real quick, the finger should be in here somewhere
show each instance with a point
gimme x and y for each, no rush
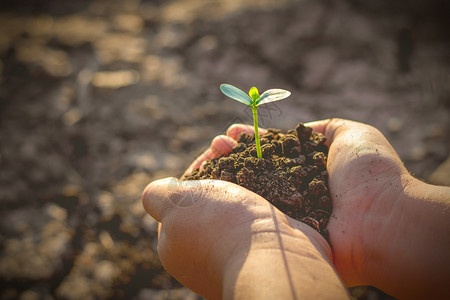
(331, 128)
(154, 192)
(162, 196)
(318, 126)
(235, 130)
(198, 162)
(222, 145)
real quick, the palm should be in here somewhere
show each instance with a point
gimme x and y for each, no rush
(361, 166)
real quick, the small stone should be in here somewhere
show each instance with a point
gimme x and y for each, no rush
(57, 212)
(394, 124)
(115, 79)
(418, 152)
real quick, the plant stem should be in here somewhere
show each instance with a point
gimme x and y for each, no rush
(255, 124)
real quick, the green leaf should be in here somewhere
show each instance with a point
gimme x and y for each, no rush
(236, 94)
(272, 95)
(254, 93)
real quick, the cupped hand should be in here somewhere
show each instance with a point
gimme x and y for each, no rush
(387, 228)
(222, 240)
(366, 177)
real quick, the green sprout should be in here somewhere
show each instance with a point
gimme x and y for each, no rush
(254, 99)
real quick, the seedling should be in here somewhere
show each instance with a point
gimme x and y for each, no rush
(254, 99)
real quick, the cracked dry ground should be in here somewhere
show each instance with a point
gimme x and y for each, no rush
(97, 98)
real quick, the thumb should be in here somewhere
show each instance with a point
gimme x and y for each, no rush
(332, 128)
(162, 196)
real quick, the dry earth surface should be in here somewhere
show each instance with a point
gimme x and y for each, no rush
(98, 98)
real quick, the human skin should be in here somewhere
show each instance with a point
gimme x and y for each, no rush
(387, 229)
(224, 241)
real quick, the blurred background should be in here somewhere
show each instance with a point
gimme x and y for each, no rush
(98, 98)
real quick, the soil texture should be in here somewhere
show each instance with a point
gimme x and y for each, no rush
(291, 174)
(98, 98)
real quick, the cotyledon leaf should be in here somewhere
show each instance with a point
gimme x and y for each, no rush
(272, 95)
(235, 93)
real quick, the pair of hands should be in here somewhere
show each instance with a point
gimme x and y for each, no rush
(217, 238)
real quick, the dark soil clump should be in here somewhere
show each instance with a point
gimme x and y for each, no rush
(291, 174)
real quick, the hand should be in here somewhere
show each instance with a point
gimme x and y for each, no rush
(366, 178)
(387, 229)
(376, 208)
(222, 240)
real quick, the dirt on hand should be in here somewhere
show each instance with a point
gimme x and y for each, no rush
(291, 174)
(99, 98)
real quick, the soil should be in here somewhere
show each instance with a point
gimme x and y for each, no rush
(98, 98)
(291, 174)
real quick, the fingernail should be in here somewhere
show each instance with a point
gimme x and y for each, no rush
(222, 145)
(233, 131)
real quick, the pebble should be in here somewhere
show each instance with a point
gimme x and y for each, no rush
(394, 124)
